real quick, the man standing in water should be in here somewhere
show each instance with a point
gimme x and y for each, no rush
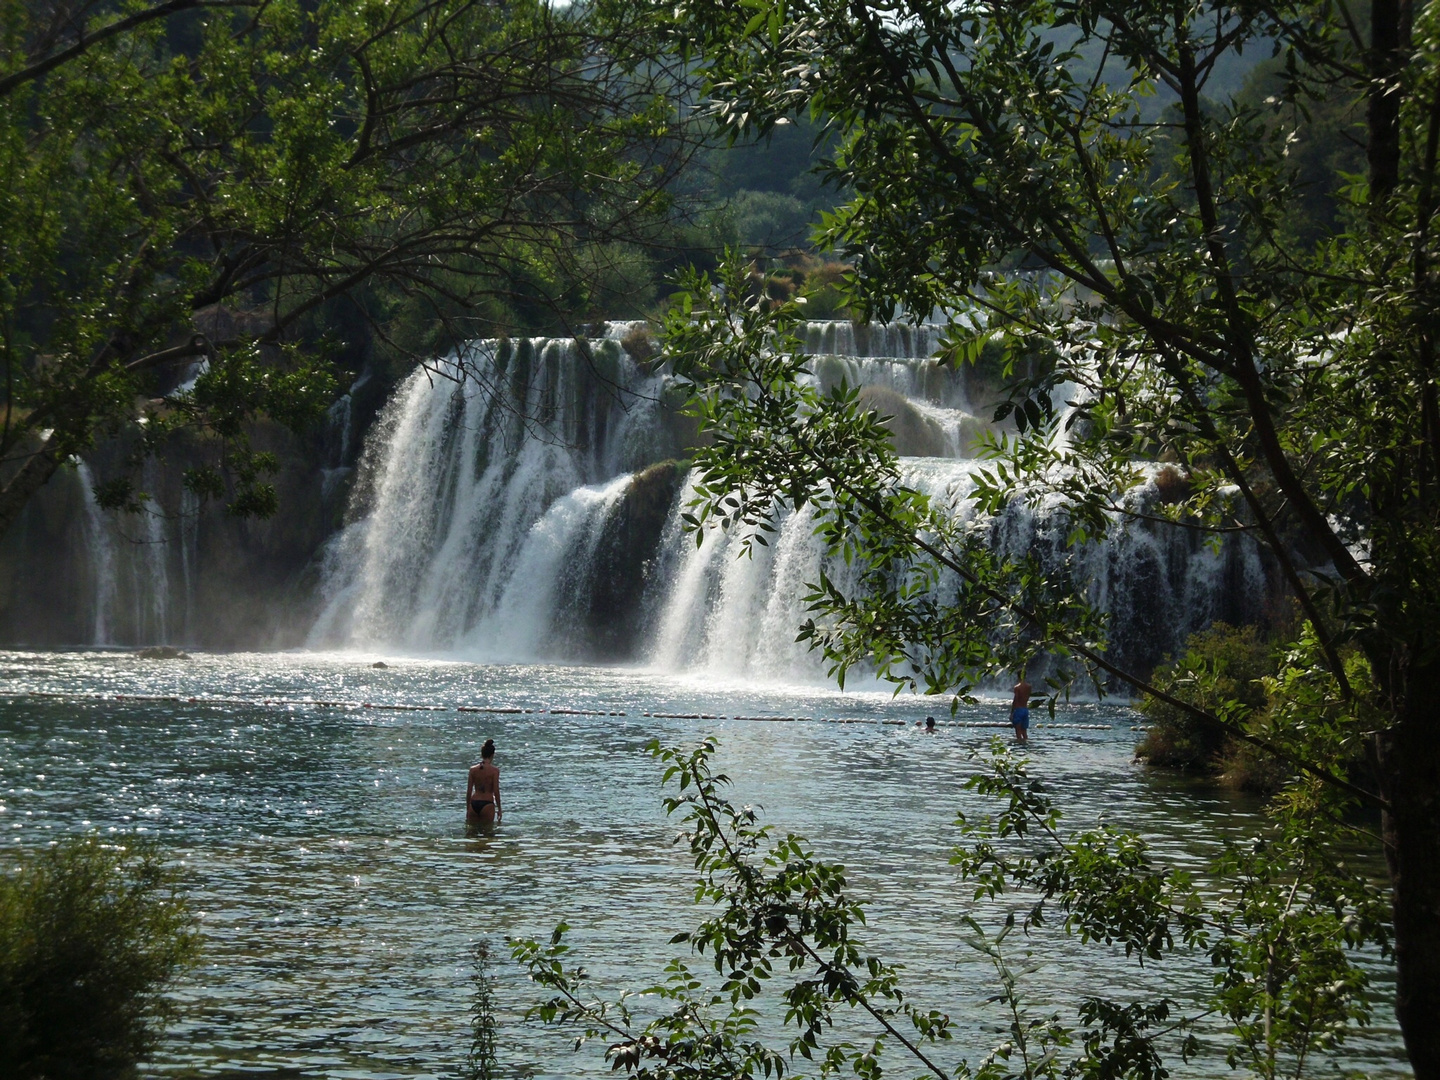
(482, 794)
(1020, 711)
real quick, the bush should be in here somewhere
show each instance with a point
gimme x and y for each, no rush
(1172, 485)
(91, 937)
(1245, 767)
(825, 293)
(1279, 691)
(828, 301)
(1222, 664)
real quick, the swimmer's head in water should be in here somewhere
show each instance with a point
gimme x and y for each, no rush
(929, 721)
(488, 750)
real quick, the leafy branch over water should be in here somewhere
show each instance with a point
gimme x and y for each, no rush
(1280, 944)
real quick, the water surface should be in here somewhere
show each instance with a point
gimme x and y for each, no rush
(324, 844)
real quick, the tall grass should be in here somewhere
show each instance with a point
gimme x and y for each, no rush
(483, 1060)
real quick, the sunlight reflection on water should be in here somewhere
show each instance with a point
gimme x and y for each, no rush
(325, 847)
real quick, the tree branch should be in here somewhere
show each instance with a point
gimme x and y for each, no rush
(1239, 343)
(84, 41)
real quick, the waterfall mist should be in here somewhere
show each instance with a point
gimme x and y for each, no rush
(521, 502)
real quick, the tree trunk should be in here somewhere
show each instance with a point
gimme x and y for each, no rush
(1409, 758)
(30, 478)
(1388, 25)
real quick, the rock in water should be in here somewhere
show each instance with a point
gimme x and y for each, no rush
(162, 652)
(380, 664)
(610, 600)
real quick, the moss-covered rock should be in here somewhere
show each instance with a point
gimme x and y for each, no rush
(911, 432)
(611, 611)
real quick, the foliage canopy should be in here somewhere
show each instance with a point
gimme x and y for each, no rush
(226, 181)
(1011, 173)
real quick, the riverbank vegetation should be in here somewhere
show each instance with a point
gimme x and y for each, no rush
(1221, 665)
(93, 936)
(1264, 686)
(1257, 681)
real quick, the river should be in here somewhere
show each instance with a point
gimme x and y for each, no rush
(323, 844)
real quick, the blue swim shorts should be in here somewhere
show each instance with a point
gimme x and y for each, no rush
(1021, 718)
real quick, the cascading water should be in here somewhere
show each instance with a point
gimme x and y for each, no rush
(129, 560)
(100, 551)
(151, 571)
(505, 512)
(476, 487)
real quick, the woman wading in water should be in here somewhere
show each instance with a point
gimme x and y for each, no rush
(482, 794)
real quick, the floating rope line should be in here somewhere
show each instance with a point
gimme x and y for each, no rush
(318, 703)
(1038, 724)
(509, 710)
(867, 720)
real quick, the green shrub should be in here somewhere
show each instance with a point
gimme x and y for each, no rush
(828, 301)
(639, 342)
(91, 937)
(1279, 691)
(1220, 665)
(781, 286)
(1245, 767)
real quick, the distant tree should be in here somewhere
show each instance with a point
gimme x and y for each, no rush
(1289, 373)
(206, 180)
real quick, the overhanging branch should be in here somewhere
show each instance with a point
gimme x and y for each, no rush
(84, 40)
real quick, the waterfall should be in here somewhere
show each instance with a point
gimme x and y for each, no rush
(100, 553)
(477, 493)
(503, 511)
(339, 419)
(129, 560)
(189, 527)
(150, 570)
(553, 559)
